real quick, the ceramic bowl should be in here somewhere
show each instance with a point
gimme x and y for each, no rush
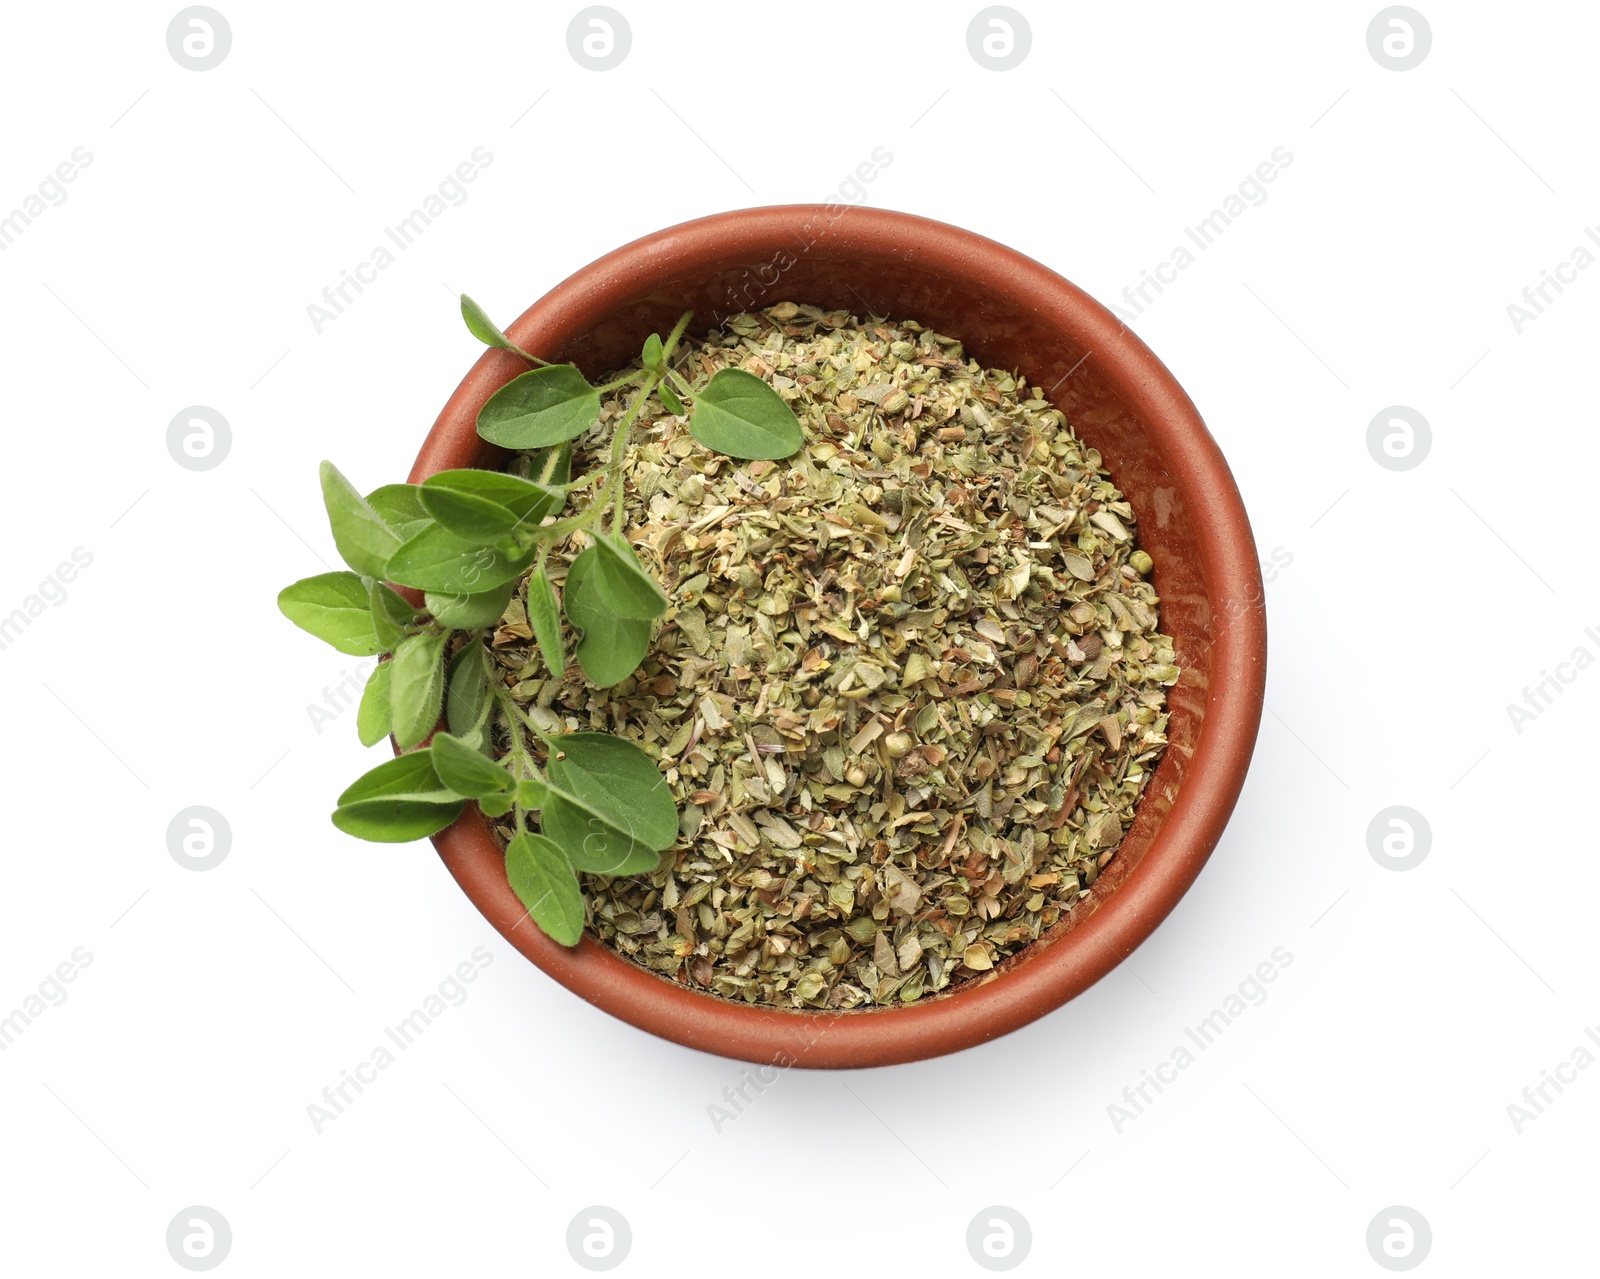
(1014, 313)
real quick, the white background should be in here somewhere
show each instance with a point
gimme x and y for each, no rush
(1417, 605)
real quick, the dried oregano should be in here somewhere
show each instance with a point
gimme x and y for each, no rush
(907, 685)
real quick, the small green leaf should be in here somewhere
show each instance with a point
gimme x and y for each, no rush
(411, 775)
(373, 718)
(400, 507)
(468, 702)
(609, 808)
(334, 607)
(390, 614)
(532, 794)
(395, 821)
(462, 612)
(739, 415)
(526, 497)
(483, 328)
(487, 506)
(544, 616)
(616, 781)
(400, 800)
(495, 805)
(464, 769)
(435, 559)
(544, 882)
(652, 351)
(540, 408)
(612, 647)
(669, 398)
(416, 687)
(473, 519)
(625, 586)
(593, 844)
(361, 535)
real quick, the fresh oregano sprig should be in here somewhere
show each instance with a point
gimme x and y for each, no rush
(464, 539)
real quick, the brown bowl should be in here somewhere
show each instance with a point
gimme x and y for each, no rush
(1010, 312)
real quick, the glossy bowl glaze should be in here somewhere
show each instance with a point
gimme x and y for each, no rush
(1014, 313)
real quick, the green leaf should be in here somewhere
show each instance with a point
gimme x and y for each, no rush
(462, 612)
(488, 506)
(435, 559)
(473, 519)
(609, 808)
(467, 704)
(495, 805)
(739, 415)
(616, 781)
(400, 800)
(544, 882)
(625, 587)
(400, 507)
(612, 647)
(544, 616)
(361, 535)
(411, 775)
(390, 614)
(652, 351)
(416, 687)
(464, 769)
(483, 328)
(395, 821)
(373, 718)
(540, 408)
(532, 794)
(527, 498)
(669, 398)
(592, 844)
(333, 607)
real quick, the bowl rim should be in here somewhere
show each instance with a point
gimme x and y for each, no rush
(1047, 973)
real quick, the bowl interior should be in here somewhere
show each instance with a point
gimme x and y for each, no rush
(1013, 313)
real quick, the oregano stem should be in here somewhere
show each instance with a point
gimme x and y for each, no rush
(619, 447)
(612, 496)
(519, 750)
(517, 714)
(619, 443)
(675, 336)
